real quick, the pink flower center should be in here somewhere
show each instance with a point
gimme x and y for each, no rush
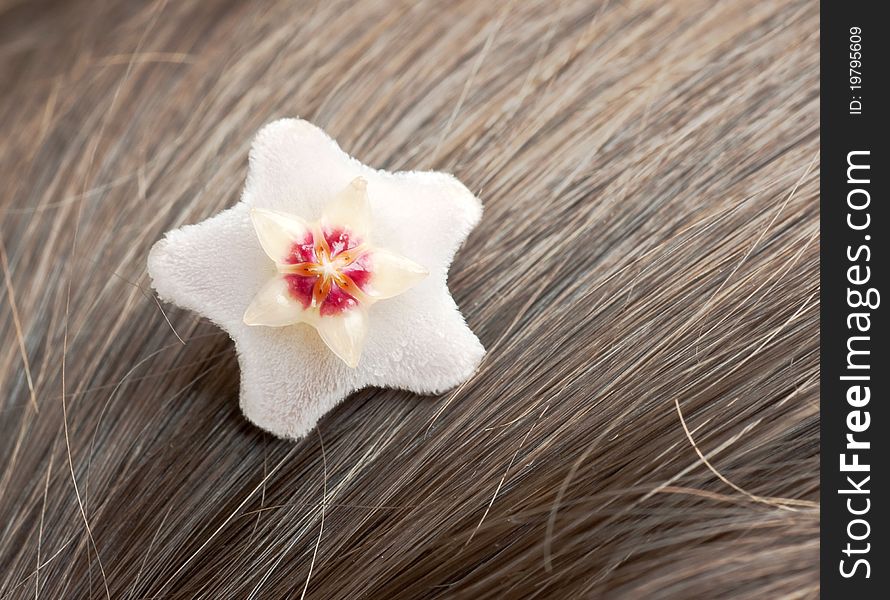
(329, 269)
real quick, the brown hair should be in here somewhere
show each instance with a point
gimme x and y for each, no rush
(645, 278)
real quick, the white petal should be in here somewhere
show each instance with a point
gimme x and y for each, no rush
(295, 167)
(351, 209)
(290, 378)
(424, 215)
(213, 268)
(420, 342)
(274, 306)
(278, 232)
(345, 334)
(392, 274)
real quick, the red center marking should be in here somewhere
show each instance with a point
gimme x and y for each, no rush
(330, 271)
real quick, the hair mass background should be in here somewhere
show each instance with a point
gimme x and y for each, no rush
(645, 278)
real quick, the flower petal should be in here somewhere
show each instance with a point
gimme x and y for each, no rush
(289, 378)
(274, 306)
(420, 342)
(297, 168)
(392, 274)
(344, 334)
(281, 235)
(351, 209)
(213, 268)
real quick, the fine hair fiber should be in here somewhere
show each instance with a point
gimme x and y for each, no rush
(644, 278)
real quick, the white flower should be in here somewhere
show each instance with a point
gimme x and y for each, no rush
(329, 275)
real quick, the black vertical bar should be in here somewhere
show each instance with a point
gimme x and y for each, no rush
(855, 561)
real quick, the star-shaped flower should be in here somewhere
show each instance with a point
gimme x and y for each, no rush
(329, 275)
